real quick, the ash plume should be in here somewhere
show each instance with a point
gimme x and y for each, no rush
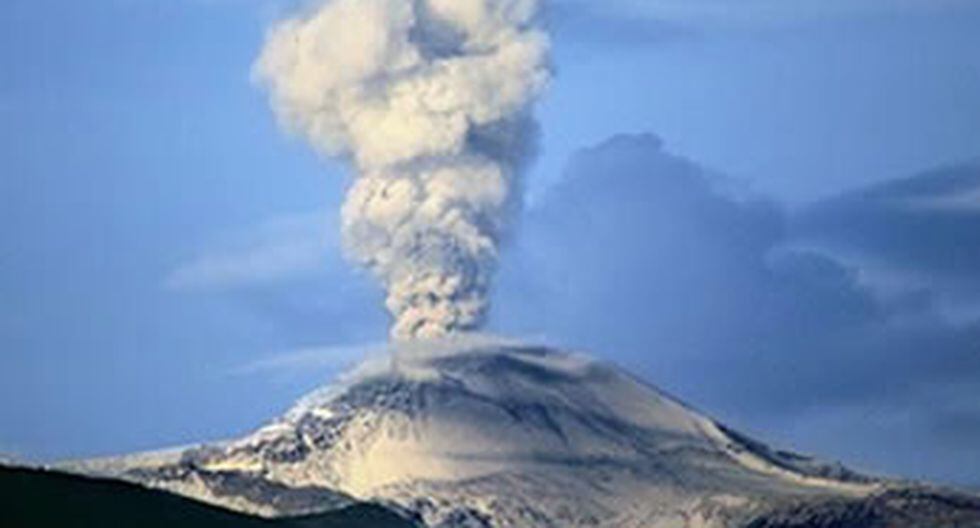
(430, 101)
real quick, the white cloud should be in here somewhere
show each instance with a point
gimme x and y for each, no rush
(289, 246)
(963, 202)
(310, 359)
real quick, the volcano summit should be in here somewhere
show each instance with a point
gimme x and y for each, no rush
(481, 432)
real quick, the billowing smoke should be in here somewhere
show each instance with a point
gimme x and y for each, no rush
(431, 101)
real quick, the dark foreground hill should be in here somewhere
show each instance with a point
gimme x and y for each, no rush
(41, 499)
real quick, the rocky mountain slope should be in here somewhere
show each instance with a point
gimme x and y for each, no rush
(481, 432)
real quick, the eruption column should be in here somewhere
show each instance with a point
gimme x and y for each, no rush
(430, 100)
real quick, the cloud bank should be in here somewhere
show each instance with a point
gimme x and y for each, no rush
(711, 291)
(920, 224)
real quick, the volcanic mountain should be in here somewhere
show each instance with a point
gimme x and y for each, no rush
(484, 432)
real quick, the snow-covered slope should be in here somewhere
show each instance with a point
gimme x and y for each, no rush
(481, 432)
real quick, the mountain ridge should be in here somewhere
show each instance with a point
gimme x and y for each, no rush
(477, 431)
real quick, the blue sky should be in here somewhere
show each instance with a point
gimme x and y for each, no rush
(169, 269)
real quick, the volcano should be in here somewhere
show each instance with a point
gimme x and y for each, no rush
(477, 431)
